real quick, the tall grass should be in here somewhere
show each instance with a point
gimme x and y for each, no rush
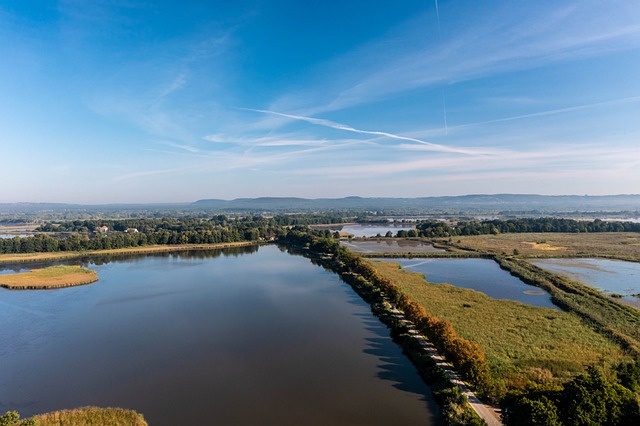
(90, 416)
(522, 343)
(604, 314)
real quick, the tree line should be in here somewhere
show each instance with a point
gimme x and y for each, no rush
(433, 229)
(83, 235)
(588, 399)
(79, 235)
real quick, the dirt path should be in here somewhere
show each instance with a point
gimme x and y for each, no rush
(488, 413)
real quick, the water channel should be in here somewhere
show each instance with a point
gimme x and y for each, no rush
(242, 337)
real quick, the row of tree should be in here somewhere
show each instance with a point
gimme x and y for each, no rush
(150, 231)
(78, 235)
(432, 229)
(187, 224)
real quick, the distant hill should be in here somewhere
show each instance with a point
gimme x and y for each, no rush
(455, 204)
(482, 204)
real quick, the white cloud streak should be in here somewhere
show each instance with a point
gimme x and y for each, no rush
(331, 124)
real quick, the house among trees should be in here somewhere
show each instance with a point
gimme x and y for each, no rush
(103, 229)
(131, 230)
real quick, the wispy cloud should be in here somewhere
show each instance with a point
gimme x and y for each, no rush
(339, 126)
(513, 37)
(178, 82)
(625, 100)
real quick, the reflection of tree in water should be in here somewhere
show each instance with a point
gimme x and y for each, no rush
(178, 255)
(395, 366)
(89, 260)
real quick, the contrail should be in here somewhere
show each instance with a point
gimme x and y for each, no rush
(554, 111)
(444, 108)
(438, 16)
(444, 98)
(338, 126)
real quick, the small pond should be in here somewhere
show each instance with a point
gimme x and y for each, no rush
(370, 230)
(390, 246)
(609, 276)
(482, 275)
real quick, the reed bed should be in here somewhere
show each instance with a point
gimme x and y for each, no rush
(522, 343)
(49, 278)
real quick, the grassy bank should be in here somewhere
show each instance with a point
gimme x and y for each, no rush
(521, 342)
(49, 278)
(40, 257)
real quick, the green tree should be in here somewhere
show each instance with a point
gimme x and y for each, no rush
(9, 418)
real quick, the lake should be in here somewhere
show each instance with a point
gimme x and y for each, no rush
(239, 337)
(482, 275)
(609, 276)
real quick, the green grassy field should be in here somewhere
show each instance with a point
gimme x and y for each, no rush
(521, 342)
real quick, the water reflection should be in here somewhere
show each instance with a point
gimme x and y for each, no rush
(391, 246)
(610, 276)
(250, 337)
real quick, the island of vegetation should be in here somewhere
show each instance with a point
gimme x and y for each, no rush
(49, 278)
(84, 416)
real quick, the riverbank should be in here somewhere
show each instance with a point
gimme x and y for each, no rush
(49, 278)
(44, 257)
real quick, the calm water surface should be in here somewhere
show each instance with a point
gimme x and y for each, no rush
(482, 275)
(390, 246)
(372, 230)
(609, 276)
(260, 337)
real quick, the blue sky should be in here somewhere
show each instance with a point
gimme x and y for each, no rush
(165, 101)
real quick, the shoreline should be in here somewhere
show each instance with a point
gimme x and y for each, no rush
(49, 256)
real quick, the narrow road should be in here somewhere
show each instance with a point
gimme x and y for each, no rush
(488, 413)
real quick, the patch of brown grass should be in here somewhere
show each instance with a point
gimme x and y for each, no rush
(618, 245)
(91, 416)
(48, 278)
(544, 246)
